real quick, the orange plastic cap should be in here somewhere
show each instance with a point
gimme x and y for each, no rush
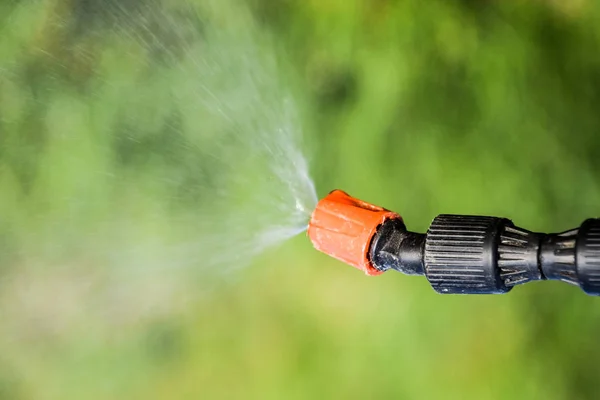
(343, 227)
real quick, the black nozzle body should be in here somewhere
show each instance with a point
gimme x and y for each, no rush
(486, 255)
(393, 247)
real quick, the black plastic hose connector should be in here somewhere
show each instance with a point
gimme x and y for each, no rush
(463, 254)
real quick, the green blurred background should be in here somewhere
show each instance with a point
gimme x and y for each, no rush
(477, 107)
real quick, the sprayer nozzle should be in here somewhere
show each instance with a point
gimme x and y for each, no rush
(462, 254)
(343, 227)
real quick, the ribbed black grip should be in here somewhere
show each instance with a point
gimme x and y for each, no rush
(461, 254)
(588, 256)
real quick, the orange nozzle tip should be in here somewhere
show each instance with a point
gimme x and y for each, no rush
(343, 227)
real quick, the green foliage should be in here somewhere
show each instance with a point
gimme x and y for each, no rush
(481, 107)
